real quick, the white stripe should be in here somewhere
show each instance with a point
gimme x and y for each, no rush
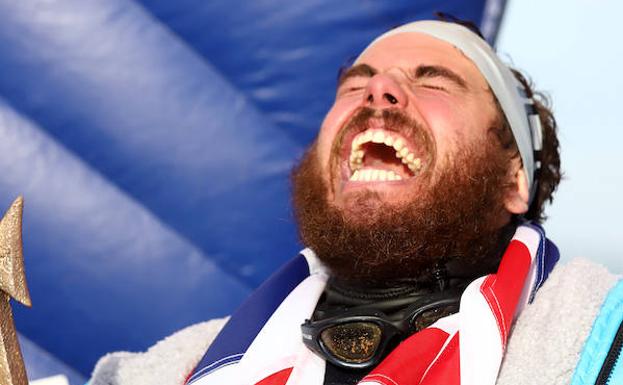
(309, 369)
(215, 363)
(374, 380)
(370, 382)
(479, 342)
(541, 260)
(279, 343)
(532, 239)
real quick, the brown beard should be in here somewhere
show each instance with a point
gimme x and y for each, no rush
(456, 219)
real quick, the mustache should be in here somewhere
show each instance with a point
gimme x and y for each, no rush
(392, 119)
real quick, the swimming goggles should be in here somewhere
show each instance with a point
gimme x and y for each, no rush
(361, 337)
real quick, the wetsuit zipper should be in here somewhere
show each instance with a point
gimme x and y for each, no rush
(614, 355)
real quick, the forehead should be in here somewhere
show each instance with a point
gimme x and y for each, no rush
(409, 49)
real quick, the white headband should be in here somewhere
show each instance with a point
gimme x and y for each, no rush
(518, 109)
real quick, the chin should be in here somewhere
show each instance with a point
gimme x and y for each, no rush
(362, 213)
(362, 197)
(366, 206)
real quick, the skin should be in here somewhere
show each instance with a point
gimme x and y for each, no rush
(456, 108)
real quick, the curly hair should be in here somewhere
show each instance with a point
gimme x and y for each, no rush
(549, 175)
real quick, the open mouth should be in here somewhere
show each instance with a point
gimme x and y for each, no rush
(381, 155)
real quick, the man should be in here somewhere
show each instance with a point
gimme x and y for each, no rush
(416, 199)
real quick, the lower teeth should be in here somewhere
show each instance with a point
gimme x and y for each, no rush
(373, 175)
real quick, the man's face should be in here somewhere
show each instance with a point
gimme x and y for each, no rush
(428, 81)
(406, 172)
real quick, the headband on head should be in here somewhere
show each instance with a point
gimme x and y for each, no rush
(510, 93)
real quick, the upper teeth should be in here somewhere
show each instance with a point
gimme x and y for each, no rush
(380, 136)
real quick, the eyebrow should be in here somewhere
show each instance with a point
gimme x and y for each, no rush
(437, 71)
(359, 70)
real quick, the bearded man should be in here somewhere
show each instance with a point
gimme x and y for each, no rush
(421, 202)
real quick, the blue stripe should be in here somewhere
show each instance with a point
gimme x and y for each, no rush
(248, 320)
(546, 258)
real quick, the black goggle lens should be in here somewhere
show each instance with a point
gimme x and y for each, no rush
(428, 317)
(353, 342)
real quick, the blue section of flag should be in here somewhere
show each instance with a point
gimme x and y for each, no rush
(552, 255)
(547, 256)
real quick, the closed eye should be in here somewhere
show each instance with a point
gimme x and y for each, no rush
(425, 73)
(345, 89)
(433, 87)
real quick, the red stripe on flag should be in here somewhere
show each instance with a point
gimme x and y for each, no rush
(279, 378)
(503, 289)
(446, 369)
(407, 363)
(188, 377)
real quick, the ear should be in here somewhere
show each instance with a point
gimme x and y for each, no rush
(518, 194)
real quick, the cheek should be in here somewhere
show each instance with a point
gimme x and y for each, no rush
(448, 121)
(333, 122)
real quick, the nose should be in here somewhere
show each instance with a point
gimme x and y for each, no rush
(384, 92)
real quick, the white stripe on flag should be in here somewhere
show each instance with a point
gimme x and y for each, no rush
(532, 239)
(280, 343)
(479, 339)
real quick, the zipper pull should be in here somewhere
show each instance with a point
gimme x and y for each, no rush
(441, 276)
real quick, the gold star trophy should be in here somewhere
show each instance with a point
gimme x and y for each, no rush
(12, 285)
